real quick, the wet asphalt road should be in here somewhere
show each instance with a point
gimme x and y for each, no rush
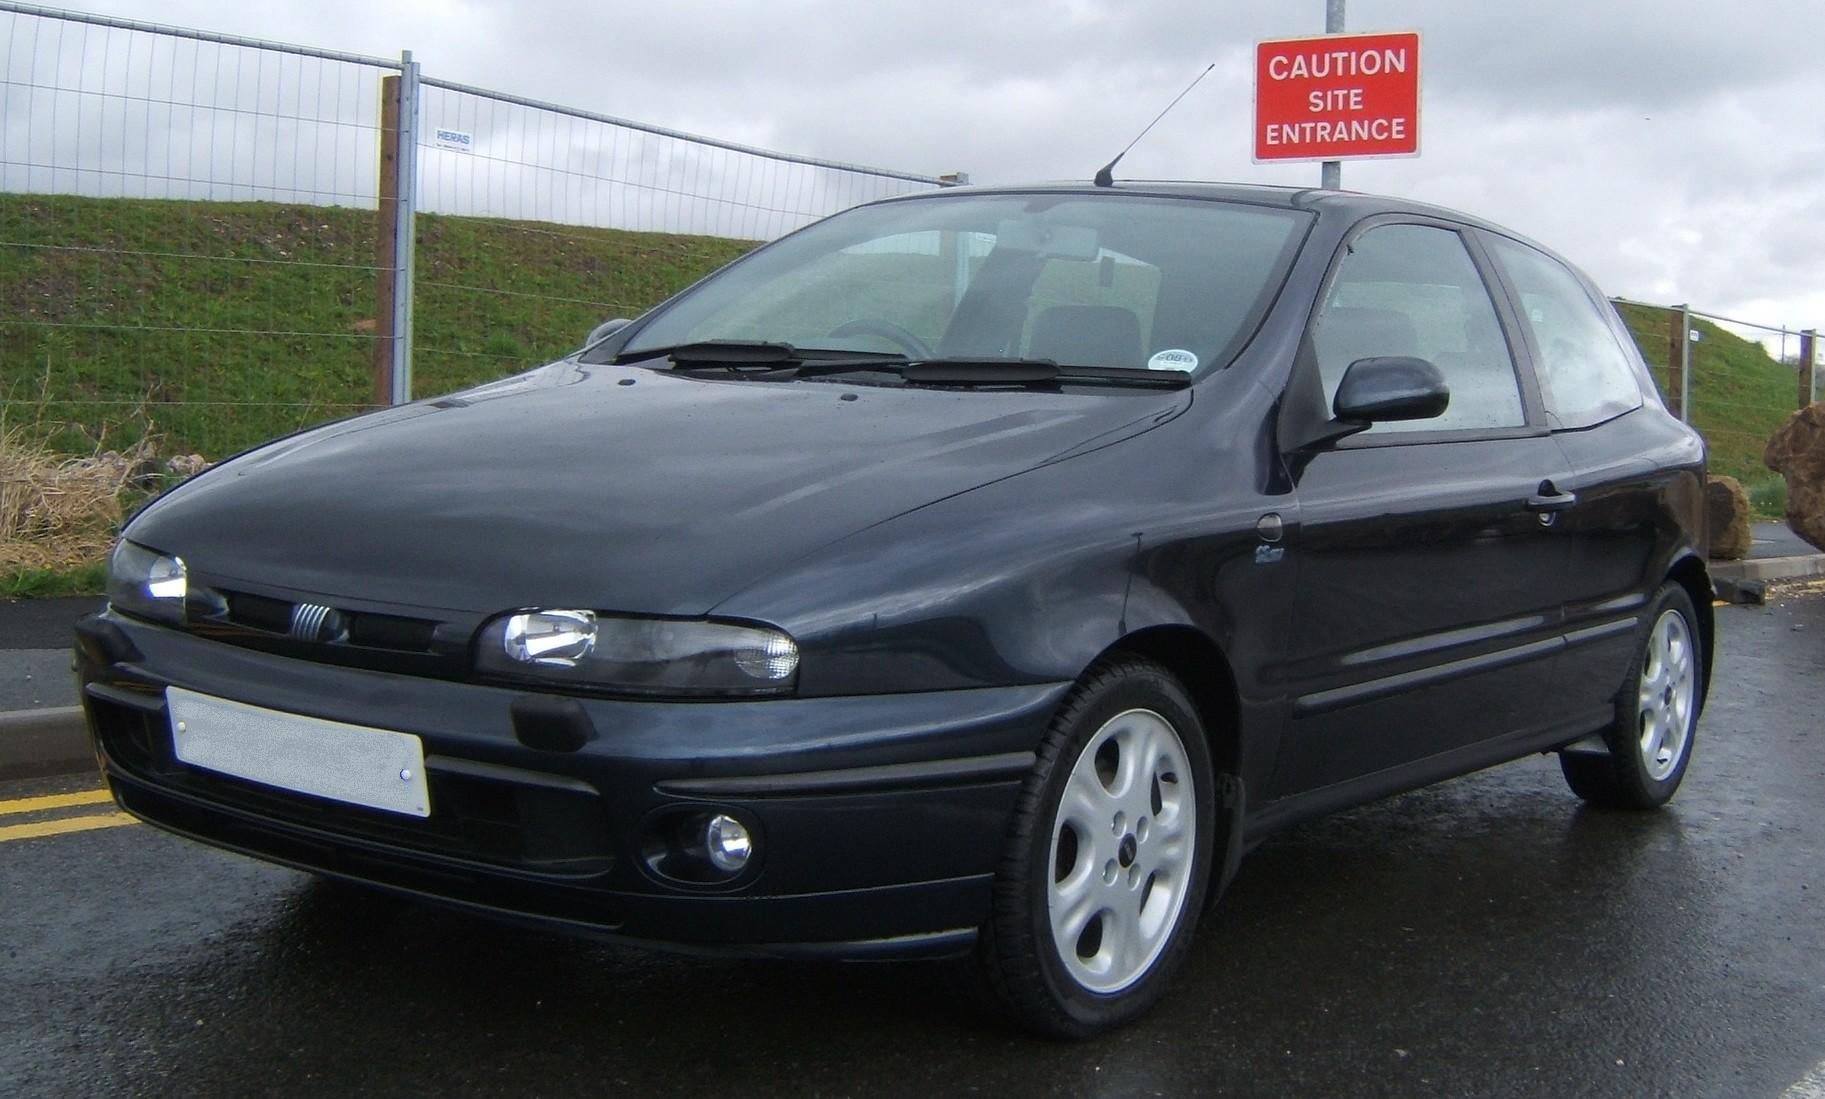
(1484, 937)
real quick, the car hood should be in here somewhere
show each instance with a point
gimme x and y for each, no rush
(615, 488)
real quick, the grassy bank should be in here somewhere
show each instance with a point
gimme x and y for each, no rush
(218, 325)
(174, 328)
(1739, 397)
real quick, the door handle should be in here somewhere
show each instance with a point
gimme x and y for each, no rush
(1550, 499)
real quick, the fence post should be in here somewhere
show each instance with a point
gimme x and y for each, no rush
(1808, 383)
(386, 284)
(404, 227)
(1679, 358)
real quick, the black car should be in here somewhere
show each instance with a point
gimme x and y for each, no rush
(976, 574)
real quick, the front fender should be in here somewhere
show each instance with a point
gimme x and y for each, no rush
(1021, 581)
(1030, 578)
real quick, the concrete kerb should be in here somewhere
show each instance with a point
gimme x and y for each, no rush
(1747, 581)
(1770, 568)
(36, 743)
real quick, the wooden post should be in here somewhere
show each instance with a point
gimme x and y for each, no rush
(1808, 339)
(386, 258)
(1676, 350)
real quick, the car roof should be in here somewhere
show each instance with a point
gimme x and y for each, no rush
(1349, 205)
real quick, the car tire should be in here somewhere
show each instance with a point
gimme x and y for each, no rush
(1657, 711)
(1107, 859)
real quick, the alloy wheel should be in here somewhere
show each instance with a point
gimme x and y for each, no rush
(1123, 845)
(1669, 689)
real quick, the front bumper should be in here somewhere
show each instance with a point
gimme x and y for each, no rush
(879, 819)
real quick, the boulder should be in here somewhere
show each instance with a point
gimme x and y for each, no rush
(1797, 452)
(1727, 518)
(186, 465)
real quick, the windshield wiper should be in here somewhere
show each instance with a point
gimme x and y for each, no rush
(768, 360)
(766, 354)
(764, 358)
(994, 371)
(972, 371)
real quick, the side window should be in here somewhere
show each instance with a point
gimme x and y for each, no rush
(1413, 290)
(1586, 374)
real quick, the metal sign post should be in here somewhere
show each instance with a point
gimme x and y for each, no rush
(1330, 173)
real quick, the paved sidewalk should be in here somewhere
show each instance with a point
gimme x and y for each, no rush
(1775, 540)
(35, 638)
(41, 729)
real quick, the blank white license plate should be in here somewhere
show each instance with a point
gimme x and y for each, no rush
(378, 768)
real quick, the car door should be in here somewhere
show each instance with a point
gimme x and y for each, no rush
(1427, 606)
(1630, 464)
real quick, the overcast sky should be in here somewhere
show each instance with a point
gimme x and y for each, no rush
(1675, 149)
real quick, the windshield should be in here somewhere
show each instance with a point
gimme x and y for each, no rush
(1113, 281)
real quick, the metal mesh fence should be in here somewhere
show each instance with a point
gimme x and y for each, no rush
(198, 235)
(514, 196)
(178, 254)
(1738, 382)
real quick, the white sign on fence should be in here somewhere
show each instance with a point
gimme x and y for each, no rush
(460, 140)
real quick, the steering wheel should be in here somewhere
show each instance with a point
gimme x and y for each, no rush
(914, 347)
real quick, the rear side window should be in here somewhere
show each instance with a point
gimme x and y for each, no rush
(1412, 290)
(1584, 372)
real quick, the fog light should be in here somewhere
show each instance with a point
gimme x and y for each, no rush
(727, 842)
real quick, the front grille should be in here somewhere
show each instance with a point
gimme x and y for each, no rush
(385, 631)
(554, 833)
(257, 612)
(306, 622)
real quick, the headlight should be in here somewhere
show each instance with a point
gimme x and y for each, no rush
(657, 656)
(147, 584)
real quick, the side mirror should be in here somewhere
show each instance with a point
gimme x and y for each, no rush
(606, 329)
(1398, 388)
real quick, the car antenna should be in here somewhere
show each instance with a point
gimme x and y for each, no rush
(1106, 177)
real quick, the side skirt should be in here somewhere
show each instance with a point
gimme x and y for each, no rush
(1308, 804)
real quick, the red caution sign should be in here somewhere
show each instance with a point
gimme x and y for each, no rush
(1337, 97)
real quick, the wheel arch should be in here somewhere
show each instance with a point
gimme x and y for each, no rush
(1199, 664)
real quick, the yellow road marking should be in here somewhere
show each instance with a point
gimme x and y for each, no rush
(54, 801)
(67, 824)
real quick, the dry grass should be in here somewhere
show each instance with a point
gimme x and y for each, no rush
(60, 512)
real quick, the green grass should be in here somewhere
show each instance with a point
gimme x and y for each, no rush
(1768, 497)
(219, 325)
(1739, 397)
(216, 326)
(86, 579)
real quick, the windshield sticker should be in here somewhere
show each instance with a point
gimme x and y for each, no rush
(1174, 359)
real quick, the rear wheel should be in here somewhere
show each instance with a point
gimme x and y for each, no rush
(1657, 716)
(1107, 863)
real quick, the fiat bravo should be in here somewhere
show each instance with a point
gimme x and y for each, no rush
(975, 574)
